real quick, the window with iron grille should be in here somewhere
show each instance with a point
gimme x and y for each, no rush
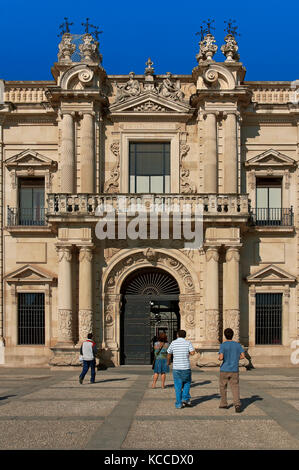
(268, 319)
(31, 318)
(31, 209)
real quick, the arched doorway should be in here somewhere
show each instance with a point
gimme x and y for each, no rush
(150, 305)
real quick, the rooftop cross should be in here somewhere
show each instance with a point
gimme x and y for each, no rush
(96, 32)
(209, 23)
(202, 33)
(87, 26)
(65, 27)
(231, 28)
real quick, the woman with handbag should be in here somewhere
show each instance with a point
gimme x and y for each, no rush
(160, 360)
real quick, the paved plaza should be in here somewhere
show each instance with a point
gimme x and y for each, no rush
(43, 409)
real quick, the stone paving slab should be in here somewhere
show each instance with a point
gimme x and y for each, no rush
(58, 408)
(43, 435)
(208, 434)
(75, 393)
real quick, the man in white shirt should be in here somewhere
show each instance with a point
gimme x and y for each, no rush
(181, 349)
(88, 350)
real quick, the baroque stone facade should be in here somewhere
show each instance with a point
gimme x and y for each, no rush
(65, 146)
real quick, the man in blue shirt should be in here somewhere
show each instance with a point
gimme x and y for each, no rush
(230, 353)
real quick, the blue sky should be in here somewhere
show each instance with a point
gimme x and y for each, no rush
(135, 30)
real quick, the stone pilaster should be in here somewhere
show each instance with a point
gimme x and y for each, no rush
(65, 313)
(230, 154)
(85, 292)
(67, 154)
(210, 158)
(88, 153)
(212, 297)
(231, 289)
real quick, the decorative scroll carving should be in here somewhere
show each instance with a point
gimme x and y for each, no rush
(161, 258)
(232, 320)
(233, 254)
(212, 325)
(212, 253)
(187, 186)
(85, 254)
(112, 185)
(65, 324)
(85, 323)
(64, 252)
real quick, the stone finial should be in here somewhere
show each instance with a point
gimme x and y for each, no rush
(230, 49)
(89, 49)
(207, 49)
(66, 48)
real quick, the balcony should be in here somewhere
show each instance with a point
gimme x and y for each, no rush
(17, 216)
(272, 217)
(223, 207)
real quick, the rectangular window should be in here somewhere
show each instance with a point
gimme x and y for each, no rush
(31, 318)
(268, 201)
(31, 201)
(149, 167)
(268, 319)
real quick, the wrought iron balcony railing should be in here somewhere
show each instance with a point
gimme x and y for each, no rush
(17, 216)
(86, 204)
(272, 217)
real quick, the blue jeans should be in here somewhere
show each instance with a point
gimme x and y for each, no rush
(86, 365)
(182, 383)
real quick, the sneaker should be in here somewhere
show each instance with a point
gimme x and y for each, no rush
(238, 409)
(187, 403)
(80, 380)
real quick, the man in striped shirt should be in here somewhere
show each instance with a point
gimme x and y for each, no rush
(181, 349)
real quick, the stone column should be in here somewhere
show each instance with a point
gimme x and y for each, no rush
(85, 292)
(65, 301)
(87, 154)
(231, 289)
(210, 159)
(212, 296)
(230, 154)
(67, 182)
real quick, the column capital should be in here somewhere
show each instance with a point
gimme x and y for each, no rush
(233, 252)
(64, 251)
(85, 252)
(212, 252)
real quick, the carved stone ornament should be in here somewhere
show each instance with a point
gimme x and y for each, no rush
(170, 89)
(150, 255)
(85, 323)
(212, 254)
(210, 76)
(212, 325)
(187, 186)
(186, 283)
(85, 76)
(66, 49)
(65, 324)
(232, 320)
(208, 48)
(230, 49)
(233, 254)
(131, 89)
(112, 184)
(64, 252)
